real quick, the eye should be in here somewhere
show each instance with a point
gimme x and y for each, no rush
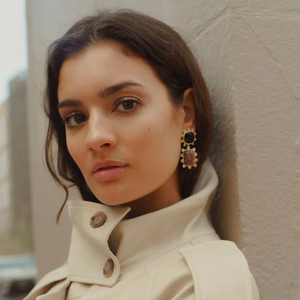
(127, 104)
(74, 119)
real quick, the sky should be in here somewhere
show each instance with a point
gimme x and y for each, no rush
(13, 41)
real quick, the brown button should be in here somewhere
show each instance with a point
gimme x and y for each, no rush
(98, 219)
(108, 268)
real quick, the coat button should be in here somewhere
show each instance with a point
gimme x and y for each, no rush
(98, 219)
(108, 268)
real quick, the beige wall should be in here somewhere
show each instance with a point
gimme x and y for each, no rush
(265, 51)
(249, 55)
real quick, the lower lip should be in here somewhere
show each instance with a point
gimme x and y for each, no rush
(109, 174)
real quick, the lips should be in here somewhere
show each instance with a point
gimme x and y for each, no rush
(108, 170)
(104, 168)
(107, 164)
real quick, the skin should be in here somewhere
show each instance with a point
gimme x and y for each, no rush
(143, 132)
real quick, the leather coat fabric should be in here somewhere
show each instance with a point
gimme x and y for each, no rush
(173, 253)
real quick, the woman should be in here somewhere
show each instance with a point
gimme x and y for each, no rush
(131, 115)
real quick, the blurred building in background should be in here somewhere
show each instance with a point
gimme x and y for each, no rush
(15, 212)
(5, 217)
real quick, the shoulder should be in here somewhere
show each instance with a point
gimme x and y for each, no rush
(219, 268)
(56, 279)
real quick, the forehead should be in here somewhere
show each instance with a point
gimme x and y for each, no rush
(102, 65)
(105, 58)
(105, 55)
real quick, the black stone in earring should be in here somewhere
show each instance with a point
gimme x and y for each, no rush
(189, 156)
(188, 137)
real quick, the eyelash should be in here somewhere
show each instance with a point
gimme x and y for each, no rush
(137, 102)
(128, 99)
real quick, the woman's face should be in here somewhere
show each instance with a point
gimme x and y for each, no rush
(122, 130)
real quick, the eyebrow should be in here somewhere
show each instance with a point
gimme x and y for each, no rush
(69, 103)
(108, 91)
(116, 88)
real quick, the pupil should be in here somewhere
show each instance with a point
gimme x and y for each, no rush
(78, 119)
(128, 105)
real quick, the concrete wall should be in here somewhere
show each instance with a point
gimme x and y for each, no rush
(249, 54)
(265, 52)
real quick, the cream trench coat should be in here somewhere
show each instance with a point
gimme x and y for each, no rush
(173, 253)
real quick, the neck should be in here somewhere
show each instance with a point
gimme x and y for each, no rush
(166, 195)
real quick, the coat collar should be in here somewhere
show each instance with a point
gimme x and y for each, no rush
(132, 243)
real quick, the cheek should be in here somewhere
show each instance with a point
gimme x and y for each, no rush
(157, 146)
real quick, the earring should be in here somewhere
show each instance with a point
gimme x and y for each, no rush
(189, 156)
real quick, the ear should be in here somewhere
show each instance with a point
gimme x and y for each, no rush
(189, 109)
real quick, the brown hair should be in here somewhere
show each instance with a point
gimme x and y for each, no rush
(162, 48)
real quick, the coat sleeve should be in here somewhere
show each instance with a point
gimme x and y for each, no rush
(220, 271)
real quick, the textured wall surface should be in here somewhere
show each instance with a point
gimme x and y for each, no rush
(205, 25)
(265, 51)
(249, 55)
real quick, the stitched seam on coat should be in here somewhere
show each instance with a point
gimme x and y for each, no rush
(147, 295)
(153, 261)
(168, 251)
(178, 247)
(197, 287)
(204, 235)
(78, 276)
(54, 295)
(247, 285)
(76, 297)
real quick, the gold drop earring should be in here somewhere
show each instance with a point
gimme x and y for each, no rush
(189, 156)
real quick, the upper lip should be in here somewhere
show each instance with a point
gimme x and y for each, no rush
(107, 163)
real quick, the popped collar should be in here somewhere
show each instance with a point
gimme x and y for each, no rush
(133, 243)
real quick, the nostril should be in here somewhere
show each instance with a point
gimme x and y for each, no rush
(96, 140)
(105, 145)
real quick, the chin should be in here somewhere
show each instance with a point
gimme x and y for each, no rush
(111, 202)
(115, 192)
(114, 198)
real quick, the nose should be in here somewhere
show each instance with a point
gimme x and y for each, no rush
(100, 134)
